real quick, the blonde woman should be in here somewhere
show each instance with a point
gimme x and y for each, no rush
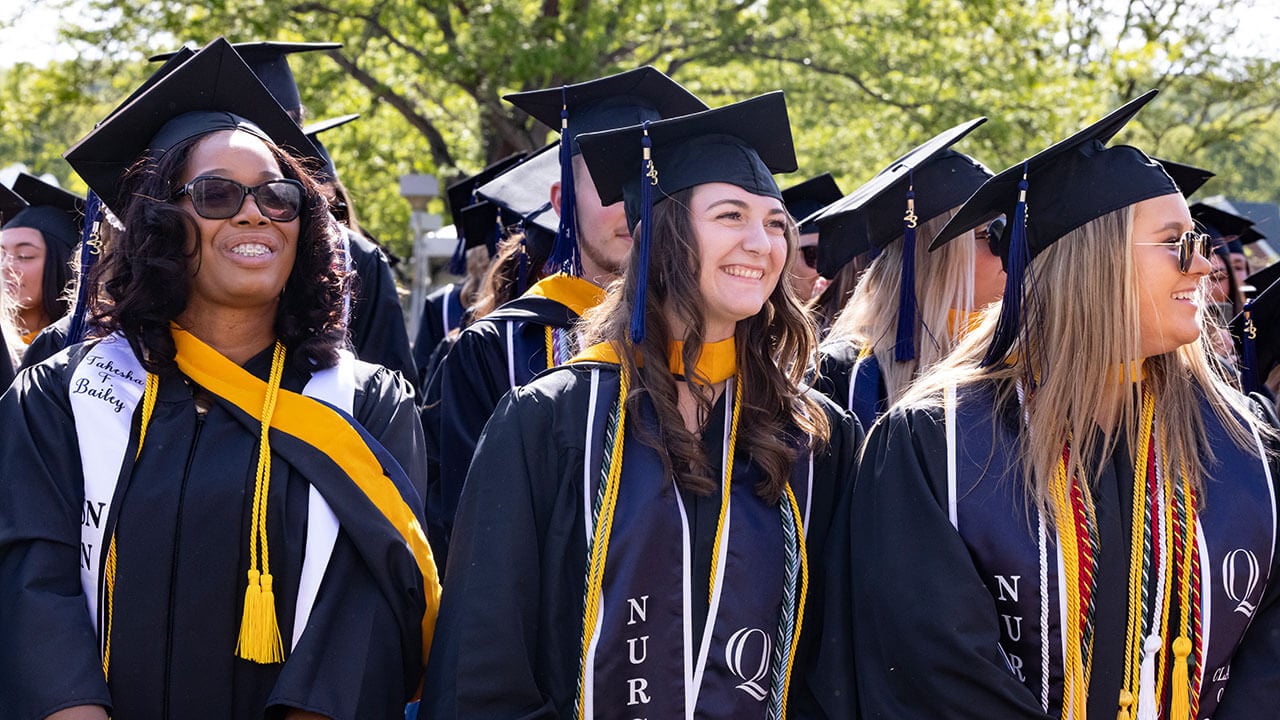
(910, 305)
(1074, 514)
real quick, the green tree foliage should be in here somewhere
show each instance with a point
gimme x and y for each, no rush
(865, 79)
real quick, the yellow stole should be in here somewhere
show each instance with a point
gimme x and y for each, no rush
(573, 292)
(316, 424)
(717, 362)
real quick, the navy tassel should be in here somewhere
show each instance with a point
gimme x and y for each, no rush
(1249, 361)
(1015, 273)
(649, 178)
(495, 236)
(564, 253)
(89, 252)
(904, 347)
(458, 261)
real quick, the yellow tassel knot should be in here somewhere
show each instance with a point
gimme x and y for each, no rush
(1180, 695)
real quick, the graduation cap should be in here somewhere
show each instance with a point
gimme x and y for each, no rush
(462, 194)
(327, 173)
(1188, 178)
(1061, 188)
(214, 90)
(810, 196)
(520, 197)
(1265, 277)
(917, 187)
(614, 101)
(1219, 223)
(53, 211)
(11, 203)
(743, 144)
(1256, 332)
(269, 61)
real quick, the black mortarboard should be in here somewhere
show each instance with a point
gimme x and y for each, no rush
(327, 172)
(873, 215)
(1256, 332)
(11, 203)
(523, 191)
(1249, 237)
(1265, 277)
(269, 61)
(743, 144)
(214, 90)
(1188, 178)
(1052, 193)
(810, 196)
(461, 194)
(1265, 216)
(53, 211)
(1219, 223)
(615, 101)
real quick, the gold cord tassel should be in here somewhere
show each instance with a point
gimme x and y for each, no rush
(1180, 694)
(259, 629)
(1126, 702)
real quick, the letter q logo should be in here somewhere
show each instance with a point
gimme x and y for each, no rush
(1240, 578)
(741, 656)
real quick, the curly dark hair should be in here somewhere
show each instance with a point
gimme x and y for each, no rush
(145, 283)
(777, 417)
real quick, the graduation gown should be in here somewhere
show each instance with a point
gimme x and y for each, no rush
(954, 616)
(508, 638)
(6, 365)
(47, 344)
(853, 383)
(182, 519)
(495, 354)
(441, 313)
(377, 325)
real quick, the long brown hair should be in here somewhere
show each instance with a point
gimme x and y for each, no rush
(777, 418)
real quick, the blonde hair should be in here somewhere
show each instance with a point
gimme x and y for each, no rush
(944, 280)
(1081, 301)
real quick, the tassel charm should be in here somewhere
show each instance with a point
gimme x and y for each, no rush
(904, 346)
(1180, 692)
(1249, 373)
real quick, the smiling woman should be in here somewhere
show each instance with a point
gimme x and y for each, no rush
(224, 526)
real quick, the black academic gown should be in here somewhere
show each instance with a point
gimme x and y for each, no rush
(858, 388)
(182, 520)
(935, 611)
(47, 343)
(473, 378)
(6, 365)
(377, 326)
(508, 637)
(441, 313)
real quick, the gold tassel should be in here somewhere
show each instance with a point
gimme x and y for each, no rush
(1126, 702)
(259, 631)
(1180, 694)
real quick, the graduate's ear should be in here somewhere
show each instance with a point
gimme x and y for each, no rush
(555, 196)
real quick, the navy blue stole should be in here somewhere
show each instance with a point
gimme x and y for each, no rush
(646, 661)
(868, 399)
(1017, 556)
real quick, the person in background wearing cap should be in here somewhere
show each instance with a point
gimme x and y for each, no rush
(535, 331)
(10, 342)
(376, 320)
(803, 200)
(35, 251)
(911, 306)
(238, 534)
(1039, 527)
(666, 496)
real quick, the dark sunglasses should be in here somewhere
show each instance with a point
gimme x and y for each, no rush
(993, 233)
(219, 198)
(809, 253)
(1190, 244)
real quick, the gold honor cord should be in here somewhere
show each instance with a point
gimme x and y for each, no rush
(1137, 554)
(725, 487)
(1075, 679)
(316, 424)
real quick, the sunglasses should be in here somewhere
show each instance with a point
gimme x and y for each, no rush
(809, 253)
(1190, 244)
(219, 198)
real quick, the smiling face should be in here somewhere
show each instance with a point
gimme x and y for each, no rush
(1167, 298)
(242, 261)
(742, 249)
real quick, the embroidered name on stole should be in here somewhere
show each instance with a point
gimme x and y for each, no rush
(106, 388)
(644, 648)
